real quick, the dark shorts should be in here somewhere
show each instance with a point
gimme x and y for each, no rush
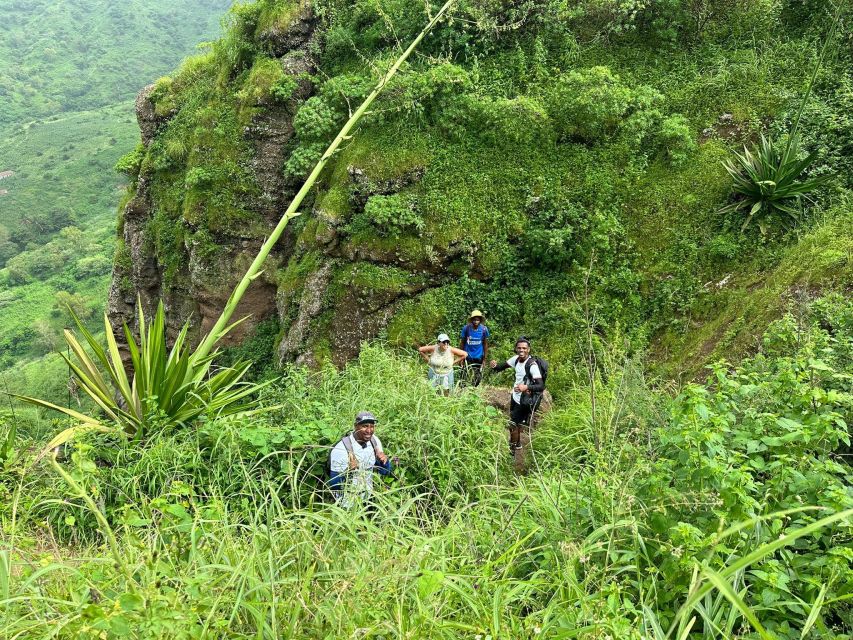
(519, 414)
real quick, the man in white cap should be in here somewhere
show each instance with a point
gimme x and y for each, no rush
(353, 460)
(442, 358)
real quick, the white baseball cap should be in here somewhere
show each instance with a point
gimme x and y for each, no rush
(443, 337)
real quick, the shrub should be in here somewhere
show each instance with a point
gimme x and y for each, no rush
(314, 120)
(588, 104)
(92, 266)
(130, 163)
(675, 137)
(389, 215)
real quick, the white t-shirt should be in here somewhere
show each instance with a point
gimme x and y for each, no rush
(520, 371)
(360, 481)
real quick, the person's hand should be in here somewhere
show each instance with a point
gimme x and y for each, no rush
(521, 387)
(383, 459)
(493, 364)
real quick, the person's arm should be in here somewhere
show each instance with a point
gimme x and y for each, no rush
(383, 465)
(486, 334)
(338, 466)
(497, 368)
(463, 338)
(538, 386)
(426, 350)
(383, 468)
(460, 355)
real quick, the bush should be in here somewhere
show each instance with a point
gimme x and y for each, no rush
(130, 163)
(92, 266)
(675, 137)
(314, 120)
(389, 215)
(588, 104)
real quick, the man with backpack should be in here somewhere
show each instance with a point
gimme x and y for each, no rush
(353, 460)
(530, 375)
(475, 342)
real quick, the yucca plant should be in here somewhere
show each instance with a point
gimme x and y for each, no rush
(168, 388)
(770, 182)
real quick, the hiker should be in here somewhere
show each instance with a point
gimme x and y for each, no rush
(526, 392)
(442, 358)
(353, 460)
(475, 340)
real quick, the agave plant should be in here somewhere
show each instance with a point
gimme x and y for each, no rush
(168, 387)
(770, 181)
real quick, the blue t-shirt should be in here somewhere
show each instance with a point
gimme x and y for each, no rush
(474, 340)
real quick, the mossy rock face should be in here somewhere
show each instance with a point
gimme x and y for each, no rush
(554, 177)
(210, 185)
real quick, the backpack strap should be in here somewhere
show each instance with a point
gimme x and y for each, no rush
(353, 461)
(375, 444)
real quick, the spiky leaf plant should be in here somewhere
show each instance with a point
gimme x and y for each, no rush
(769, 182)
(167, 388)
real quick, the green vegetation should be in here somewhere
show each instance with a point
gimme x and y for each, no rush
(63, 57)
(623, 525)
(563, 167)
(167, 386)
(67, 71)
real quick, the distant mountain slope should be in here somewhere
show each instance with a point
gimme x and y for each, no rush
(70, 55)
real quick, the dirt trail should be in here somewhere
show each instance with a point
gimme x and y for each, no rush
(499, 397)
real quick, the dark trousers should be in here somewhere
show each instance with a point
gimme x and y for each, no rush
(519, 417)
(473, 371)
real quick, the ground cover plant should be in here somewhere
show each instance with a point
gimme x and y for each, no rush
(562, 167)
(224, 531)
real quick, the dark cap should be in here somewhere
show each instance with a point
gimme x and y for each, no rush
(522, 339)
(365, 416)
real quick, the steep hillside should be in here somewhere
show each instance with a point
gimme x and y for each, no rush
(58, 56)
(67, 73)
(560, 168)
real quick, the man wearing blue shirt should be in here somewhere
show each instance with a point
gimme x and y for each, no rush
(475, 342)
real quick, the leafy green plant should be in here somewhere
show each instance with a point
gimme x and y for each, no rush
(769, 179)
(770, 182)
(168, 388)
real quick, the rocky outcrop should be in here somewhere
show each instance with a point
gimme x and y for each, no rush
(200, 288)
(319, 308)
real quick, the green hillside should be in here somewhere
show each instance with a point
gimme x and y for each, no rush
(68, 72)
(60, 56)
(571, 169)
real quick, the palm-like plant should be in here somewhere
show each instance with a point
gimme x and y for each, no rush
(168, 388)
(770, 181)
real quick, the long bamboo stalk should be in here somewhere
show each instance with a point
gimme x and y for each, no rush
(221, 326)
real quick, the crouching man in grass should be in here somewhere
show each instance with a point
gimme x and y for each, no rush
(354, 459)
(526, 392)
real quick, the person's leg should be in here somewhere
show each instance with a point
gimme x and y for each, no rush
(476, 368)
(517, 413)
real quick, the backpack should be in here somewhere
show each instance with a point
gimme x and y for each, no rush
(348, 446)
(543, 368)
